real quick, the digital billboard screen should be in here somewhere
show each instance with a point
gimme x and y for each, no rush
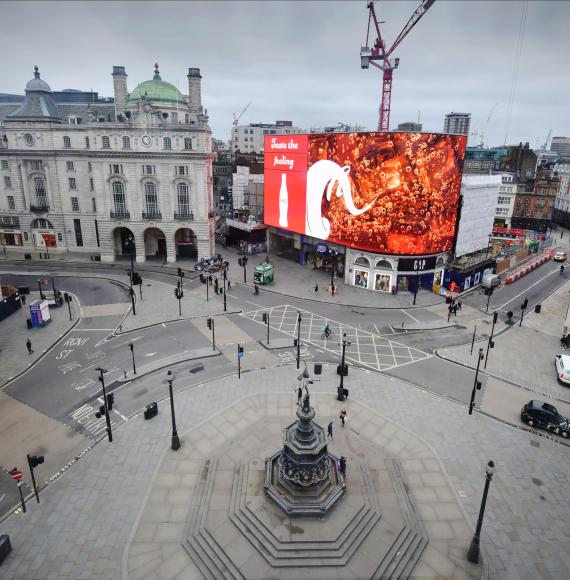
(390, 193)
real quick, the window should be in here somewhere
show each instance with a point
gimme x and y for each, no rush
(11, 202)
(91, 184)
(78, 233)
(70, 166)
(4, 164)
(151, 198)
(174, 116)
(36, 165)
(72, 183)
(94, 205)
(126, 142)
(116, 169)
(183, 199)
(28, 139)
(181, 170)
(67, 142)
(89, 166)
(106, 142)
(148, 170)
(502, 200)
(74, 204)
(187, 143)
(86, 142)
(7, 182)
(167, 143)
(119, 197)
(40, 187)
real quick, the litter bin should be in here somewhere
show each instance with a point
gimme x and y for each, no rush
(342, 369)
(151, 410)
(318, 368)
(5, 547)
(27, 256)
(537, 308)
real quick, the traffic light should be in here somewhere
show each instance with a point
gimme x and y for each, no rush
(209, 323)
(245, 261)
(210, 279)
(495, 316)
(180, 273)
(240, 262)
(35, 460)
(101, 412)
(525, 304)
(479, 385)
(240, 350)
(132, 346)
(137, 280)
(265, 317)
(176, 293)
(67, 297)
(202, 279)
(110, 401)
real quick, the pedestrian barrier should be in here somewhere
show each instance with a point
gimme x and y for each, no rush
(528, 267)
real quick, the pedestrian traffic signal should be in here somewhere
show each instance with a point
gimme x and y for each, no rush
(176, 292)
(35, 460)
(525, 304)
(110, 401)
(245, 261)
(132, 346)
(210, 279)
(137, 280)
(265, 317)
(479, 385)
(202, 279)
(209, 323)
(240, 262)
(180, 273)
(101, 412)
(240, 350)
(495, 316)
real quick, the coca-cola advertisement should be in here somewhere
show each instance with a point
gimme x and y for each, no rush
(391, 193)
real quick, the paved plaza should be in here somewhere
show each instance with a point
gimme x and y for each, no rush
(87, 517)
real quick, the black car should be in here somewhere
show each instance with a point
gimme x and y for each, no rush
(545, 416)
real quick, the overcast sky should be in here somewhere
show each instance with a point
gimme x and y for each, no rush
(300, 60)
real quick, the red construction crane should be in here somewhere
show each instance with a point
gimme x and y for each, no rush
(379, 52)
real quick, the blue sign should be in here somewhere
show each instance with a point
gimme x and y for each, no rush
(321, 248)
(240, 354)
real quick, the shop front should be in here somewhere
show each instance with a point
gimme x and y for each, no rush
(43, 234)
(10, 238)
(285, 244)
(371, 271)
(318, 255)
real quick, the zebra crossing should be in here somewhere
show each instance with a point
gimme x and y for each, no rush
(366, 348)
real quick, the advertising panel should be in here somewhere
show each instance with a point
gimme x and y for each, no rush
(391, 193)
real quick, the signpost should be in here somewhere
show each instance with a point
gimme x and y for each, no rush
(16, 476)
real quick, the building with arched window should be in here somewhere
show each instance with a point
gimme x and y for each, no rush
(136, 180)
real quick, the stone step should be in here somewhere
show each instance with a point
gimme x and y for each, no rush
(218, 558)
(398, 552)
(413, 556)
(203, 563)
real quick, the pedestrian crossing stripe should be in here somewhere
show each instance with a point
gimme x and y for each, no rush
(366, 348)
(85, 416)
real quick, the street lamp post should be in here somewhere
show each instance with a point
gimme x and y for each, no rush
(175, 445)
(524, 306)
(132, 347)
(131, 243)
(476, 384)
(225, 279)
(473, 552)
(42, 297)
(102, 371)
(298, 338)
(53, 287)
(333, 266)
(345, 343)
(417, 287)
(490, 343)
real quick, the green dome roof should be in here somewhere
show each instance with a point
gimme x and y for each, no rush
(157, 90)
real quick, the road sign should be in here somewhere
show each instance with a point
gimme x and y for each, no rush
(16, 474)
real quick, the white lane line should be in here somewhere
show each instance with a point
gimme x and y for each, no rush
(93, 329)
(406, 312)
(2, 497)
(121, 415)
(128, 342)
(525, 291)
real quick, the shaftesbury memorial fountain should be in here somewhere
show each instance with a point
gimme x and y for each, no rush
(303, 478)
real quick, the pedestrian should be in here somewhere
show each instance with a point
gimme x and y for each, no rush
(563, 342)
(299, 395)
(459, 305)
(454, 310)
(329, 429)
(316, 287)
(29, 346)
(23, 300)
(342, 417)
(342, 465)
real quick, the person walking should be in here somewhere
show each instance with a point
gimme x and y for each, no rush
(329, 430)
(29, 346)
(342, 465)
(316, 287)
(564, 342)
(299, 395)
(342, 416)
(459, 305)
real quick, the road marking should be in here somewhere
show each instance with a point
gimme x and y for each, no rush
(153, 353)
(526, 291)
(412, 317)
(129, 341)
(93, 329)
(2, 496)
(121, 415)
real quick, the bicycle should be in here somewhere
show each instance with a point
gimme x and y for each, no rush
(327, 333)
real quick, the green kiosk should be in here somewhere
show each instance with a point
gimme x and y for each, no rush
(263, 274)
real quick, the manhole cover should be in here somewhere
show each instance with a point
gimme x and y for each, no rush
(537, 481)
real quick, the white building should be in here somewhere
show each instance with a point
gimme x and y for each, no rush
(138, 184)
(249, 138)
(457, 123)
(479, 193)
(562, 169)
(561, 145)
(506, 200)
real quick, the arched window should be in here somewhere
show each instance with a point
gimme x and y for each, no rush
(167, 143)
(384, 264)
(183, 199)
(361, 261)
(119, 198)
(40, 187)
(151, 199)
(41, 224)
(187, 143)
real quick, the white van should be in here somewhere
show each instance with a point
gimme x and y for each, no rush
(490, 281)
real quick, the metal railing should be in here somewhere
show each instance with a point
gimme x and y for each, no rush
(39, 208)
(151, 215)
(184, 215)
(120, 215)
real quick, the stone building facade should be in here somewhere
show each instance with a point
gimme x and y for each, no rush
(139, 182)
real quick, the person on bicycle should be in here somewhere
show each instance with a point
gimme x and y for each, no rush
(327, 330)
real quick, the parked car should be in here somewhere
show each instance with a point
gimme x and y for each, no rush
(560, 256)
(562, 363)
(545, 416)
